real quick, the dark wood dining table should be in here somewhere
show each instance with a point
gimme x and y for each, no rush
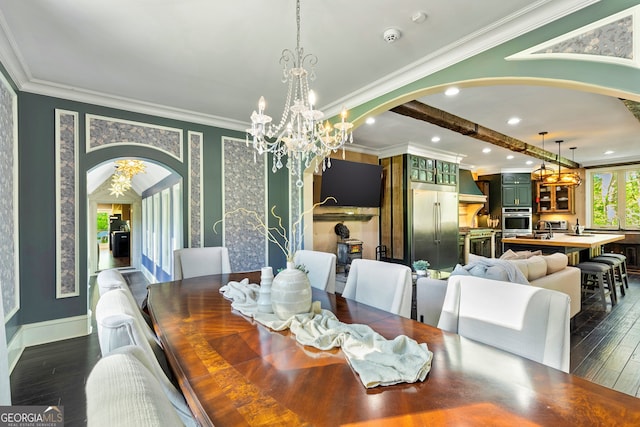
(235, 371)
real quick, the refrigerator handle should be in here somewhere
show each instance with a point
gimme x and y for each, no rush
(438, 218)
(435, 222)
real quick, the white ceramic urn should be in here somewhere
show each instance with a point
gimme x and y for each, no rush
(290, 292)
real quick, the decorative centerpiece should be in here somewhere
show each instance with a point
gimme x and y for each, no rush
(290, 292)
(421, 266)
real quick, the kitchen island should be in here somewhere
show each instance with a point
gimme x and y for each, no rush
(589, 244)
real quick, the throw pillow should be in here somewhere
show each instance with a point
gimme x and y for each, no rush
(556, 262)
(459, 271)
(509, 254)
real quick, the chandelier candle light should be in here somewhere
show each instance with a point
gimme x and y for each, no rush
(301, 135)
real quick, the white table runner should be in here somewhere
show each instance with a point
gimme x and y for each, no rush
(377, 361)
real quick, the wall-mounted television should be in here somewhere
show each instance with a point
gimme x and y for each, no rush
(352, 184)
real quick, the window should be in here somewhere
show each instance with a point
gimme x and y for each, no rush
(615, 197)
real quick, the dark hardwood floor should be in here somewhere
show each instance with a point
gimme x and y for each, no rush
(605, 349)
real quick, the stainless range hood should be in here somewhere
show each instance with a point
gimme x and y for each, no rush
(469, 192)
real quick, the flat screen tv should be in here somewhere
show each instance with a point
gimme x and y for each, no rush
(352, 184)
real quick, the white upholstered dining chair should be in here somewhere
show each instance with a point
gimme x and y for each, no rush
(110, 279)
(194, 262)
(120, 325)
(122, 391)
(321, 267)
(383, 285)
(525, 320)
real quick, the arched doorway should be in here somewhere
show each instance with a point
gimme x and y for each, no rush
(140, 229)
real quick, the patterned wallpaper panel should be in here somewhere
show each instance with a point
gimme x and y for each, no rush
(66, 204)
(8, 200)
(244, 187)
(104, 131)
(196, 230)
(614, 39)
(609, 40)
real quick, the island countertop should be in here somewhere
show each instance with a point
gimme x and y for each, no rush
(586, 240)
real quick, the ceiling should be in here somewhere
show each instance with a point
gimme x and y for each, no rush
(209, 62)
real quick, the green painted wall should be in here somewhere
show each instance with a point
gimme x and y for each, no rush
(37, 195)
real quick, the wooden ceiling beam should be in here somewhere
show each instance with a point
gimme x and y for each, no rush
(429, 114)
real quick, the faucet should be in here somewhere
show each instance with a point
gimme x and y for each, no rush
(547, 227)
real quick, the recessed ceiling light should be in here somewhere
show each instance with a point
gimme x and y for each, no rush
(370, 120)
(609, 152)
(510, 156)
(486, 150)
(513, 120)
(529, 162)
(452, 91)
(435, 139)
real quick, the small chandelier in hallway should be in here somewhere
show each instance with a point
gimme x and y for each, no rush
(125, 171)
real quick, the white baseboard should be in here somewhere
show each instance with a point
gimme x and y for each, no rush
(46, 332)
(147, 274)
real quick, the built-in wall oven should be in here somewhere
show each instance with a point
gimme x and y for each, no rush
(516, 222)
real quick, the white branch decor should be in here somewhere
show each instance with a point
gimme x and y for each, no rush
(277, 234)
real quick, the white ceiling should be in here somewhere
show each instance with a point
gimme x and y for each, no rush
(209, 62)
(153, 174)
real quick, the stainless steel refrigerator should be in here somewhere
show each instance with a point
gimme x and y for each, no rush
(434, 228)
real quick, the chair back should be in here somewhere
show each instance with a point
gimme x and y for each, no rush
(194, 262)
(525, 320)
(430, 295)
(321, 267)
(383, 285)
(110, 279)
(121, 390)
(119, 325)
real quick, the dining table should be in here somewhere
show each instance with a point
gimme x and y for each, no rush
(235, 371)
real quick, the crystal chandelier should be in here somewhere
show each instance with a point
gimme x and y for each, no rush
(301, 135)
(564, 179)
(543, 170)
(125, 171)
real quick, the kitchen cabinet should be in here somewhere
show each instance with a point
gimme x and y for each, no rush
(508, 190)
(554, 199)
(432, 171)
(516, 190)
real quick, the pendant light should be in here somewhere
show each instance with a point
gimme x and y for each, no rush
(565, 179)
(543, 170)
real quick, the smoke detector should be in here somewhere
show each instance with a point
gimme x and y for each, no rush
(391, 34)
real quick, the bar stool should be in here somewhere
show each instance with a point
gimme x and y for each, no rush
(593, 277)
(623, 259)
(616, 271)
